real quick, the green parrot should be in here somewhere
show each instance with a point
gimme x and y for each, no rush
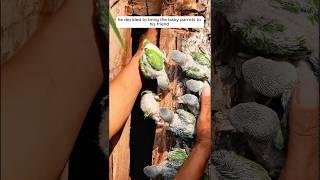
(182, 123)
(270, 78)
(231, 166)
(168, 168)
(194, 69)
(201, 58)
(152, 64)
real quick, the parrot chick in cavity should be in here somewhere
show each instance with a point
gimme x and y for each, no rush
(191, 101)
(195, 86)
(201, 58)
(168, 168)
(182, 123)
(231, 166)
(152, 64)
(270, 78)
(190, 67)
(150, 106)
(261, 126)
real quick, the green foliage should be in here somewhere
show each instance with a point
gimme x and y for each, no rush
(116, 30)
(103, 16)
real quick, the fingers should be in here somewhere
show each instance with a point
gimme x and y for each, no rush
(206, 103)
(203, 129)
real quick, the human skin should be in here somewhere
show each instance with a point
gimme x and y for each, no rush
(46, 91)
(125, 87)
(303, 136)
(194, 167)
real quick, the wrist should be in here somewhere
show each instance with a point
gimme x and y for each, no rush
(203, 148)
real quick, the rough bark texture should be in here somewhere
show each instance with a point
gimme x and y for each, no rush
(145, 7)
(168, 41)
(118, 56)
(18, 27)
(163, 140)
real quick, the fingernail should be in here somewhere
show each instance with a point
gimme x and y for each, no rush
(206, 91)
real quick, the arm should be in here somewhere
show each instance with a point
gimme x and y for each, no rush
(125, 88)
(123, 92)
(194, 167)
(46, 91)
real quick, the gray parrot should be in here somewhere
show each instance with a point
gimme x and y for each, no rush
(195, 86)
(190, 67)
(270, 78)
(168, 168)
(231, 166)
(191, 101)
(201, 58)
(182, 123)
(261, 126)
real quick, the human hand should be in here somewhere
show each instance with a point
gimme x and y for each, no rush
(203, 127)
(152, 60)
(303, 124)
(194, 167)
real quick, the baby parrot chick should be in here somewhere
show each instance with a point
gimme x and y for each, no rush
(270, 78)
(152, 64)
(150, 106)
(192, 69)
(191, 101)
(261, 126)
(231, 166)
(194, 86)
(182, 123)
(168, 168)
